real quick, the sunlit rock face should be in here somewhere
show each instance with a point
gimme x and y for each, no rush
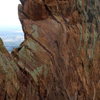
(57, 60)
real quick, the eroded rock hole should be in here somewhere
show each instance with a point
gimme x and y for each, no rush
(10, 27)
(12, 37)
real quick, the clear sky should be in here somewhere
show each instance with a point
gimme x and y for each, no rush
(9, 13)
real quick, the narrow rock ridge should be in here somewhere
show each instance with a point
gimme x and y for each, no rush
(60, 56)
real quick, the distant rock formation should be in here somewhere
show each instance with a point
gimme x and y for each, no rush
(59, 58)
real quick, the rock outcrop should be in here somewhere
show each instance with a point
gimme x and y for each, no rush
(60, 56)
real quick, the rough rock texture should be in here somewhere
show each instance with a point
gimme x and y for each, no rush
(60, 57)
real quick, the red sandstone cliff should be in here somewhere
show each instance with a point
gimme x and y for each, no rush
(60, 57)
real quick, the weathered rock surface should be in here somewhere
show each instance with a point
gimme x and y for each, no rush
(59, 59)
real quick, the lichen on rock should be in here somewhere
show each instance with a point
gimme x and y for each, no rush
(60, 56)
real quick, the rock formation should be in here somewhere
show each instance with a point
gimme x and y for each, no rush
(60, 57)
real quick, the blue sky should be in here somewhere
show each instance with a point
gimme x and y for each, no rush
(9, 13)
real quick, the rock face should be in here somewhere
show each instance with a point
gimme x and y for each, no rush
(60, 57)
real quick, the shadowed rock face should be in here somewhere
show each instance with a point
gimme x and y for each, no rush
(59, 59)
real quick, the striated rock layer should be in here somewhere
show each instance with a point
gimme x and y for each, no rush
(60, 57)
